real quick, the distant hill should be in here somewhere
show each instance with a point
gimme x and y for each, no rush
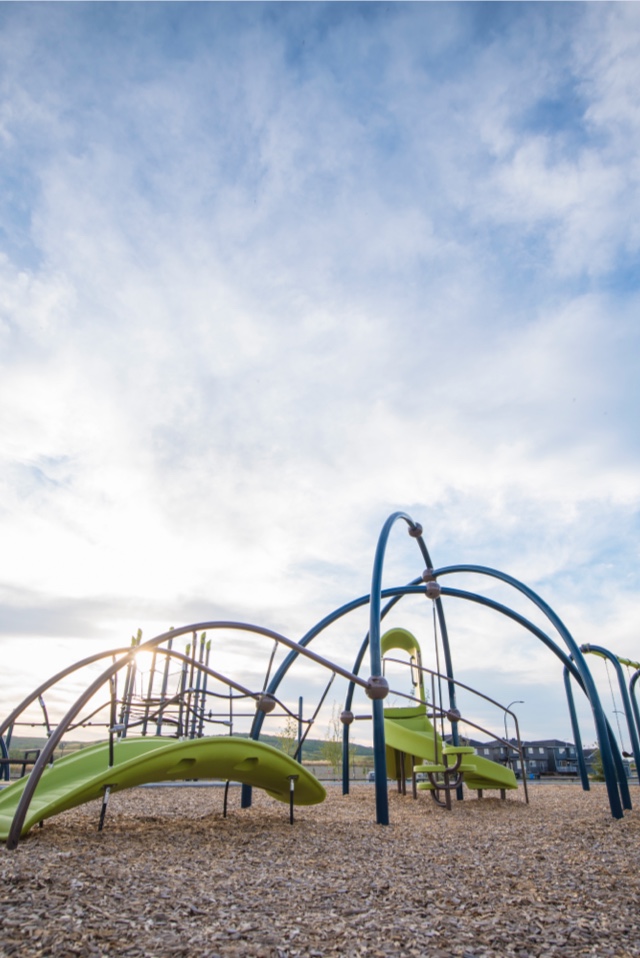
(312, 750)
(25, 743)
(21, 743)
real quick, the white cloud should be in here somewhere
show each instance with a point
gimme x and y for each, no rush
(267, 293)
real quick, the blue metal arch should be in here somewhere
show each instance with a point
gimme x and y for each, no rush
(375, 656)
(574, 663)
(616, 801)
(626, 701)
(319, 627)
(602, 731)
(617, 757)
(375, 617)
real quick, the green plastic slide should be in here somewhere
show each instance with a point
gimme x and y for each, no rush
(83, 775)
(409, 731)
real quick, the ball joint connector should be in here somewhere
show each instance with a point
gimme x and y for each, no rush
(346, 717)
(415, 530)
(432, 588)
(265, 703)
(377, 687)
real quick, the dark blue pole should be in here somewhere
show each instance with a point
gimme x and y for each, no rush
(345, 759)
(577, 738)
(634, 701)
(6, 768)
(375, 654)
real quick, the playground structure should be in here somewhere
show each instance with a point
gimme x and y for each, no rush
(158, 720)
(628, 697)
(412, 733)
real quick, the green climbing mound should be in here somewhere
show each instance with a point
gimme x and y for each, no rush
(83, 776)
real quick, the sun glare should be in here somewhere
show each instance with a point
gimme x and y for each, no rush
(145, 662)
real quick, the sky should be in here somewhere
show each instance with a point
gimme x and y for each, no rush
(270, 273)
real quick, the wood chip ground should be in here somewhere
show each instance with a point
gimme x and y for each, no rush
(169, 876)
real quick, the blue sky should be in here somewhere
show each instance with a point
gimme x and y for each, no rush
(269, 273)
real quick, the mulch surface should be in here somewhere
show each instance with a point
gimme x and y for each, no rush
(169, 876)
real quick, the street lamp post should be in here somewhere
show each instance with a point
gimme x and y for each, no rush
(506, 734)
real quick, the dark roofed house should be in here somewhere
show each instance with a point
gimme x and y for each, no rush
(542, 757)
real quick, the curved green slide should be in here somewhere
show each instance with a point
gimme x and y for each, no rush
(84, 775)
(409, 731)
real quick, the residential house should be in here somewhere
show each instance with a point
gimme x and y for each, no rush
(542, 757)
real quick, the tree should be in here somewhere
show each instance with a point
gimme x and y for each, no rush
(597, 768)
(332, 745)
(288, 736)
